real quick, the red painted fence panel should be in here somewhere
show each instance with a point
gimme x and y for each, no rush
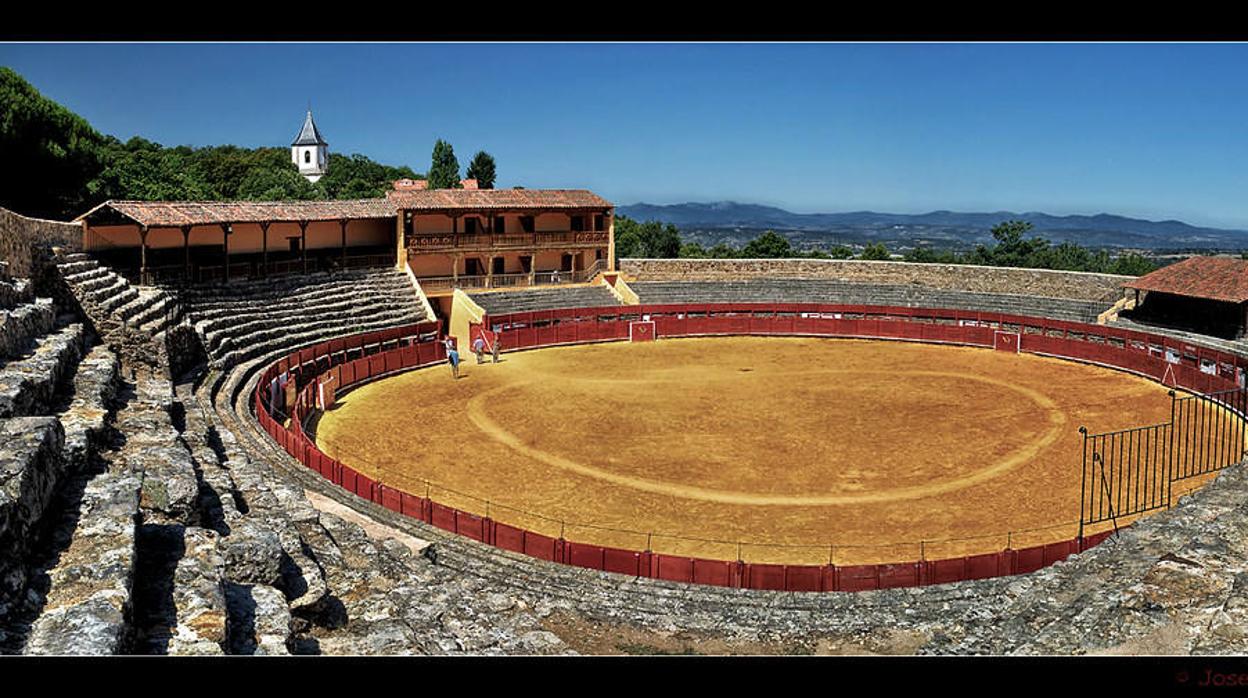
(765, 577)
(673, 568)
(509, 538)
(585, 555)
(443, 517)
(858, 578)
(803, 578)
(714, 572)
(539, 546)
(622, 561)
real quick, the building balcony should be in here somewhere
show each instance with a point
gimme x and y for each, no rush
(431, 242)
(430, 284)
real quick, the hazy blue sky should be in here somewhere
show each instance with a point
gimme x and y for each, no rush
(1149, 130)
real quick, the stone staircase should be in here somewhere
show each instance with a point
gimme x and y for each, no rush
(794, 290)
(502, 302)
(134, 321)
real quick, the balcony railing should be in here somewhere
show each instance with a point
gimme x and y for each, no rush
(541, 278)
(448, 241)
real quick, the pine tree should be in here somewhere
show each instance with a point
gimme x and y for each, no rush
(482, 170)
(444, 171)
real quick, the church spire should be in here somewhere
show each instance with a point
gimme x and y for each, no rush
(309, 135)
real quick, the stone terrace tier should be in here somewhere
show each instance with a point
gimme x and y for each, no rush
(241, 321)
(833, 291)
(545, 299)
(959, 277)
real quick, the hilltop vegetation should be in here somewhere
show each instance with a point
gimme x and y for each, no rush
(654, 239)
(56, 165)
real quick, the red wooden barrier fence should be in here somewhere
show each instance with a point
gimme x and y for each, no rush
(1129, 350)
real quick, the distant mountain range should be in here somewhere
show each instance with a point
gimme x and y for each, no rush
(732, 222)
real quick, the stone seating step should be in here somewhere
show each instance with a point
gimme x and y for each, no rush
(31, 466)
(86, 608)
(22, 325)
(29, 384)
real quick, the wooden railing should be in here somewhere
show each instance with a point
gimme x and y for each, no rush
(448, 241)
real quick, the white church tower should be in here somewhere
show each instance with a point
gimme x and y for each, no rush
(310, 152)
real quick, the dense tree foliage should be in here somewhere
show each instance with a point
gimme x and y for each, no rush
(55, 165)
(482, 169)
(50, 155)
(649, 240)
(444, 170)
(877, 251)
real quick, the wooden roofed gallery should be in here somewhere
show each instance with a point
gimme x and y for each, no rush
(168, 241)
(1208, 295)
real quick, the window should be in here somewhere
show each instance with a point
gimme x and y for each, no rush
(307, 157)
(578, 223)
(527, 223)
(500, 225)
(294, 244)
(599, 222)
(470, 225)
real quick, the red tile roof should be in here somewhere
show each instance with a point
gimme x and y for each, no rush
(178, 213)
(496, 199)
(1213, 278)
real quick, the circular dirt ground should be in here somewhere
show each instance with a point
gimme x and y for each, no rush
(784, 450)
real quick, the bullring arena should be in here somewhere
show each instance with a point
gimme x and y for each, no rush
(724, 456)
(793, 446)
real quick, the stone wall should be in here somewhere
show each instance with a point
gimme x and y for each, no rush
(21, 236)
(961, 277)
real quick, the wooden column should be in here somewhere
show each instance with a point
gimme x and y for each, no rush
(400, 242)
(303, 244)
(142, 255)
(343, 224)
(186, 253)
(264, 248)
(455, 270)
(611, 240)
(226, 230)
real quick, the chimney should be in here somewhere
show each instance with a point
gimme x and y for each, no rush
(468, 183)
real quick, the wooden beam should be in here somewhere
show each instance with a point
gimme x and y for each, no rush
(303, 244)
(142, 255)
(227, 230)
(343, 224)
(186, 253)
(264, 247)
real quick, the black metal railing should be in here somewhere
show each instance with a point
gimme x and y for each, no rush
(1133, 471)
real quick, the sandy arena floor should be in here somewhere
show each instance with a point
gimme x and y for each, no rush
(799, 450)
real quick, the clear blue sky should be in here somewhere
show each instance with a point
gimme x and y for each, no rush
(1149, 130)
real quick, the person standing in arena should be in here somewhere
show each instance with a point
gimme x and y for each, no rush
(452, 357)
(494, 348)
(478, 348)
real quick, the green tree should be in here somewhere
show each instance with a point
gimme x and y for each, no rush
(1132, 264)
(650, 240)
(659, 241)
(482, 169)
(50, 157)
(876, 250)
(627, 237)
(692, 250)
(769, 244)
(444, 170)
(357, 177)
(276, 185)
(840, 252)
